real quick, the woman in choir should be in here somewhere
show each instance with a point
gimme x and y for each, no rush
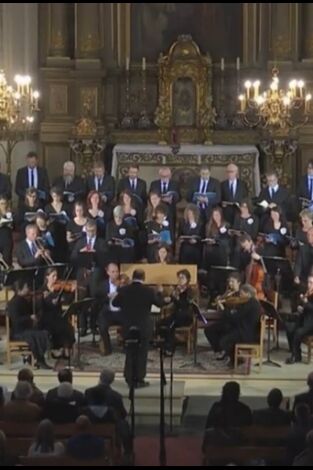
(158, 231)
(30, 205)
(163, 254)
(190, 235)
(57, 210)
(246, 221)
(98, 211)
(119, 237)
(6, 231)
(306, 217)
(75, 227)
(52, 318)
(276, 230)
(217, 245)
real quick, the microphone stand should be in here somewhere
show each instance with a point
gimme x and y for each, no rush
(162, 453)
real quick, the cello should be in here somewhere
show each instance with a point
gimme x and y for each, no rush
(255, 275)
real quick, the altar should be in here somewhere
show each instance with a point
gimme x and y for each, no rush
(186, 161)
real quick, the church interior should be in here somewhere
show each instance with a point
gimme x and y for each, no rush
(156, 234)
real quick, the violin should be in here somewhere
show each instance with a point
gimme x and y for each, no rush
(236, 300)
(65, 286)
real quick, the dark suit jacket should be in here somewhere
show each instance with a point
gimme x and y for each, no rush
(21, 182)
(107, 186)
(214, 186)
(303, 189)
(5, 186)
(306, 397)
(241, 191)
(24, 256)
(304, 261)
(111, 398)
(271, 417)
(19, 312)
(229, 415)
(172, 186)
(141, 188)
(245, 319)
(78, 185)
(76, 398)
(99, 257)
(281, 197)
(135, 301)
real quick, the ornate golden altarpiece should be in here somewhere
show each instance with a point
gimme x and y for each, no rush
(185, 94)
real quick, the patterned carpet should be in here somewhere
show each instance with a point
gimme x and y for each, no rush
(93, 361)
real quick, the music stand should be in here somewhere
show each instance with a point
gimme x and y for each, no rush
(220, 276)
(79, 308)
(271, 313)
(198, 315)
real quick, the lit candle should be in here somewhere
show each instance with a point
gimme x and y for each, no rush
(143, 63)
(127, 63)
(242, 102)
(222, 64)
(238, 63)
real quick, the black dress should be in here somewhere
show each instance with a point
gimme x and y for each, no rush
(118, 253)
(58, 231)
(250, 225)
(160, 233)
(190, 253)
(76, 230)
(6, 240)
(57, 324)
(276, 243)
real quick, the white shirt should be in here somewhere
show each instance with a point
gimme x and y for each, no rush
(273, 190)
(98, 183)
(234, 183)
(133, 184)
(112, 290)
(30, 245)
(206, 182)
(91, 242)
(35, 173)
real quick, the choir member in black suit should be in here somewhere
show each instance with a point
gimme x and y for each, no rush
(71, 183)
(99, 181)
(32, 176)
(6, 231)
(276, 230)
(134, 184)
(158, 231)
(98, 211)
(52, 318)
(135, 302)
(23, 324)
(90, 243)
(305, 186)
(30, 205)
(272, 195)
(29, 252)
(246, 221)
(167, 188)
(203, 185)
(301, 236)
(57, 211)
(105, 292)
(303, 326)
(189, 235)
(304, 260)
(5, 186)
(232, 190)
(119, 238)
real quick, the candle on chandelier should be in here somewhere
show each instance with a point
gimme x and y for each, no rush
(127, 64)
(143, 63)
(222, 64)
(238, 64)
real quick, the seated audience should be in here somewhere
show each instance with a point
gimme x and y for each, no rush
(85, 445)
(306, 397)
(6, 460)
(21, 409)
(234, 412)
(45, 443)
(61, 409)
(77, 397)
(305, 459)
(300, 427)
(273, 415)
(27, 375)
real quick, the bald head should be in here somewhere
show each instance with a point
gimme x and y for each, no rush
(232, 171)
(69, 170)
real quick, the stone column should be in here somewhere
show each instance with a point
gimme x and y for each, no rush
(59, 40)
(307, 30)
(87, 40)
(281, 31)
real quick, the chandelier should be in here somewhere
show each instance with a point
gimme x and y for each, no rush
(275, 108)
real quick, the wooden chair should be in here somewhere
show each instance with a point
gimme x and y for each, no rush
(15, 347)
(186, 334)
(308, 341)
(251, 351)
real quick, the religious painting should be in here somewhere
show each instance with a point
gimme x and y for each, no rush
(215, 27)
(184, 103)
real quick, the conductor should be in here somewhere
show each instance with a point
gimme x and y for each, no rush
(135, 301)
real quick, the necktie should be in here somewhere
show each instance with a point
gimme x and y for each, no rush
(203, 187)
(311, 189)
(271, 192)
(32, 178)
(33, 248)
(164, 189)
(98, 184)
(88, 244)
(132, 185)
(232, 188)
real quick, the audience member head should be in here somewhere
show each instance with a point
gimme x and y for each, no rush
(231, 392)
(32, 159)
(45, 436)
(139, 275)
(274, 398)
(23, 390)
(65, 375)
(83, 425)
(65, 390)
(106, 377)
(26, 375)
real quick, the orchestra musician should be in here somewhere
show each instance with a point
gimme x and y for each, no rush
(52, 318)
(32, 176)
(30, 251)
(216, 330)
(303, 326)
(244, 324)
(304, 260)
(6, 231)
(24, 324)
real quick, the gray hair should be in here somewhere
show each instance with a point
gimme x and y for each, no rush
(106, 377)
(69, 164)
(118, 211)
(65, 390)
(23, 390)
